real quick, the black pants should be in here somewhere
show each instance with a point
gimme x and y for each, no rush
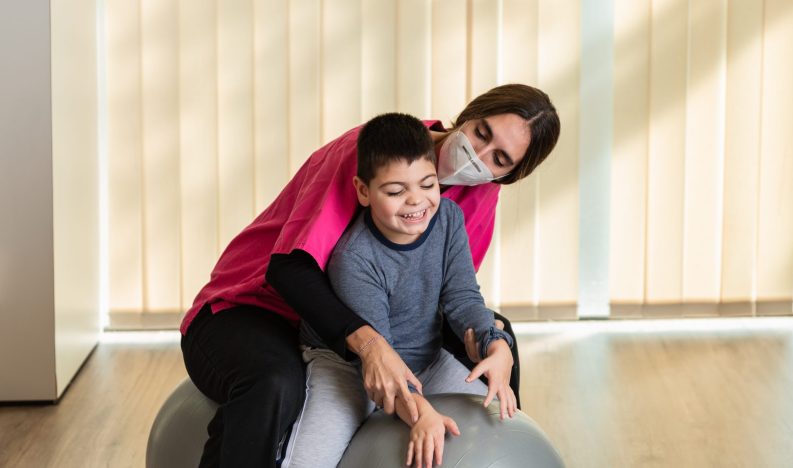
(247, 360)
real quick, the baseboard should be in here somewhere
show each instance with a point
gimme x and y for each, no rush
(144, 321)
(529, 313)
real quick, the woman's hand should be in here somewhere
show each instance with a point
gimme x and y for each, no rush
(471, 348)
(497, 367)
(426, 438)
(385, 375)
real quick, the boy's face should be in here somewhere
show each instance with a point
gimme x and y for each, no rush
(403, 198)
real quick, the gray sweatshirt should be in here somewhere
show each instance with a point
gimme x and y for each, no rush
(401, 290)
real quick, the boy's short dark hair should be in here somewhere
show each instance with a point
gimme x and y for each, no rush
(392, 137)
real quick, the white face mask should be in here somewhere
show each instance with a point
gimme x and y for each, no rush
(458, 163)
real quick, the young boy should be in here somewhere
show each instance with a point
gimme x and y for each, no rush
(404, 256)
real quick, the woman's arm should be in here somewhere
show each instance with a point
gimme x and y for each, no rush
(306, 288)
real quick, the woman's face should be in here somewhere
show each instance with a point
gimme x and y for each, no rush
(500, 141)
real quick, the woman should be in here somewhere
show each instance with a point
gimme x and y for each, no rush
(239, 340)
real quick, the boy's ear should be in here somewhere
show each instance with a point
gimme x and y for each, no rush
(362, 190)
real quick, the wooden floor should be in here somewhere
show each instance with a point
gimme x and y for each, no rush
(103, 419)
(692, 393)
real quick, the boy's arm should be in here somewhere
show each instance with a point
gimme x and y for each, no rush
(464, 307)
(460, 298)
(422, 405)
(357, 283)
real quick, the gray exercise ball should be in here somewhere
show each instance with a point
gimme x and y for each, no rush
(484, 441)
(178, 435)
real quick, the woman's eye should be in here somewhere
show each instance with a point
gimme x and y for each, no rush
(497, 159)
(427, 187)
(479, 134)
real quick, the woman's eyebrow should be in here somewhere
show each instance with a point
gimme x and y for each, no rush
(489, 134)
(488, 130)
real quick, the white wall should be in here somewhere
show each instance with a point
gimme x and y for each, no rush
(27, 322)
(75, 168)
(49, 281)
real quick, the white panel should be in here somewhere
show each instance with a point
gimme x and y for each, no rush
(304, 81)
(775, 226)
(704, 151)
(595, 153)
(271, 81)
(27, 354)
(414, 55)
(559, 56)
(341, 67)
(198, 144)
(75, 174)
(379, 60)
(449, 58)
(125, 166)
(517, 214)
(741, 148)
(235, 117)
(666, 150)
(161, 204)
(629, 163)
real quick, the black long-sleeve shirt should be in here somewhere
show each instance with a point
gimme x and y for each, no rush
(306, 288)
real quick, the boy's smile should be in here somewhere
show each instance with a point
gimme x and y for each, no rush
(402, 197)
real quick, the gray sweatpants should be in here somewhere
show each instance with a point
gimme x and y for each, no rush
(336, 404)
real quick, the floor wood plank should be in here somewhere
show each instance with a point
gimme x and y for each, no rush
(608, 395)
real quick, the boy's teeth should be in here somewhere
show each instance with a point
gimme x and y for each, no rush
(414, 215)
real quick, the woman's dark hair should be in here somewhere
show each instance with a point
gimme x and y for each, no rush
(392, 137)
(533, 106)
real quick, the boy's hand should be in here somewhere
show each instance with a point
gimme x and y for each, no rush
(426, 438)
(471, 346)
(497, 367)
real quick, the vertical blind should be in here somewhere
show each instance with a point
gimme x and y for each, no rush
(213, 104)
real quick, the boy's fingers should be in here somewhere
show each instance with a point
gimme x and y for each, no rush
(410, 454)
(499, 324)
(451, 426)
(476, 372)
(491, 393)
(503, 404)
(429, 447)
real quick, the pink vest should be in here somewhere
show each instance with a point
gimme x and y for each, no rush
(310, 214)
